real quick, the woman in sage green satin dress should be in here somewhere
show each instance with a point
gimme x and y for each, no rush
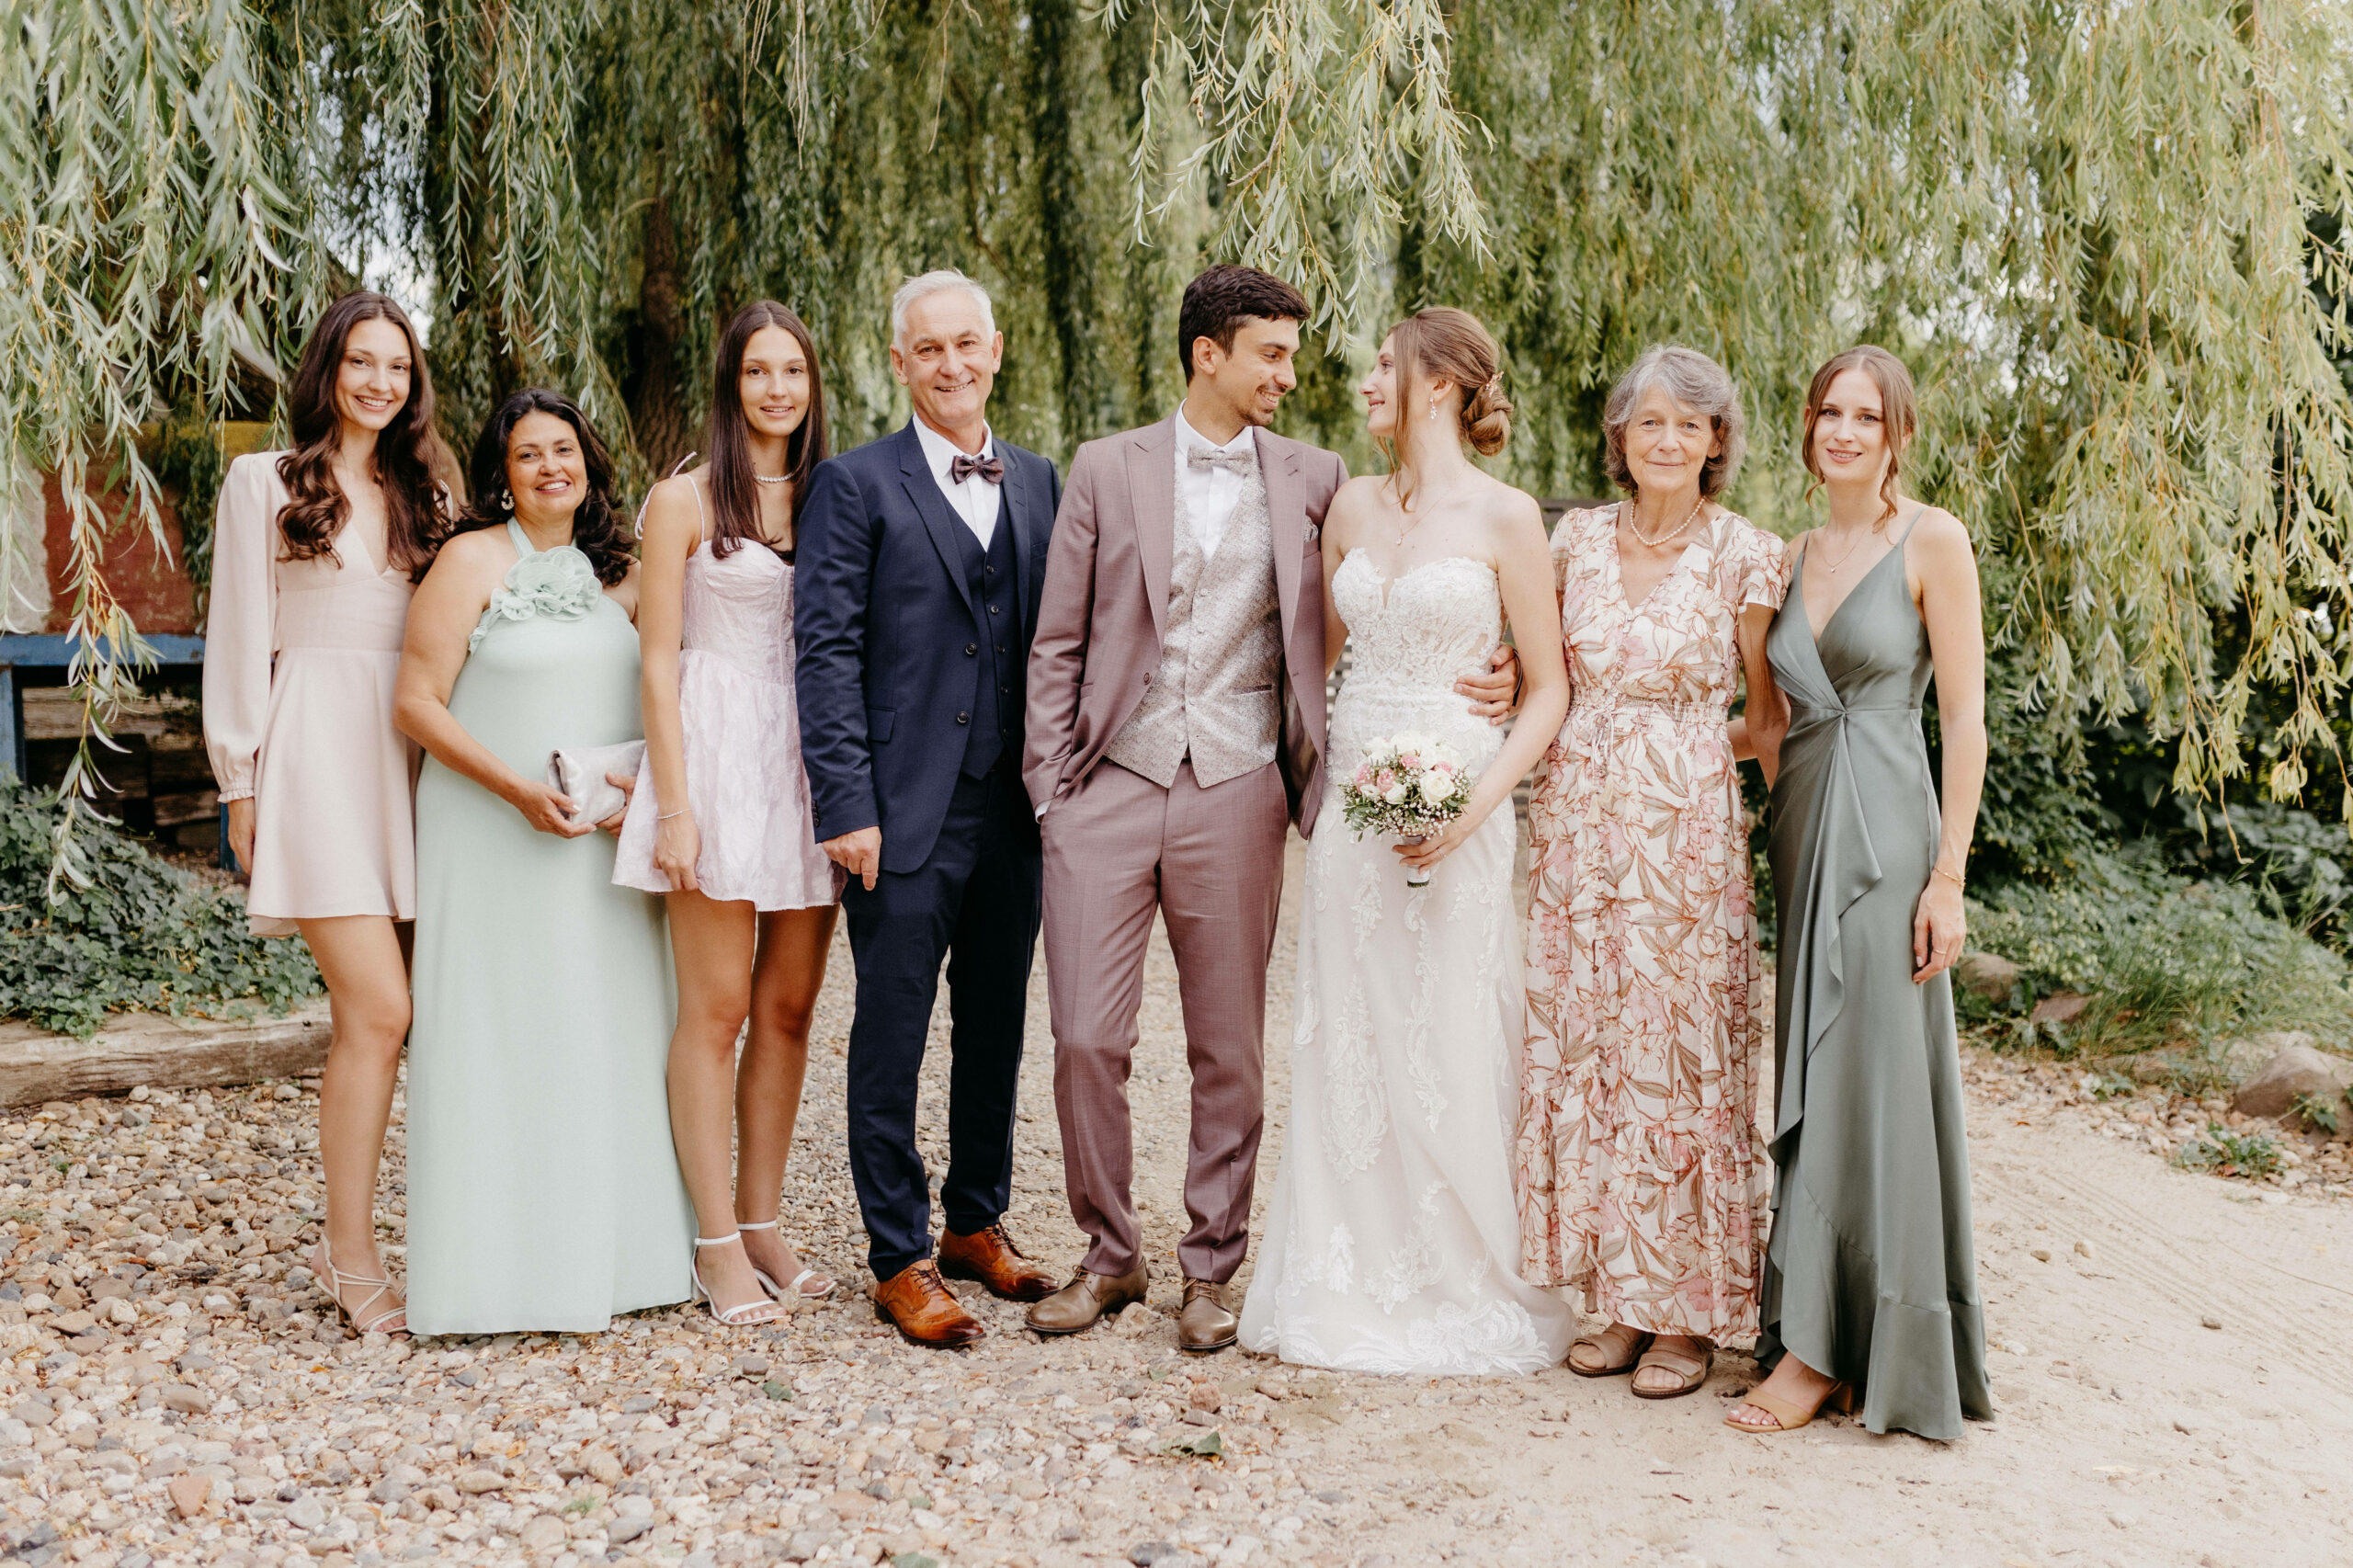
(1870, 1297)
(544, 1193)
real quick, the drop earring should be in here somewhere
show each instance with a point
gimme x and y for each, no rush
(507, 501)
(1433, 409)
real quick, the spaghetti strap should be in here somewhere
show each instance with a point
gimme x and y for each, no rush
(638, 527)
(1912, 522)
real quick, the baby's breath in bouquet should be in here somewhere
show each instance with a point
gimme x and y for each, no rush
(1406, 788)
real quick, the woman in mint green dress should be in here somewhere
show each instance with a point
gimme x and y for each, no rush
(542, 1190)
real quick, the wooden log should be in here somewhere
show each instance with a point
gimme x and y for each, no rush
(146, 1048)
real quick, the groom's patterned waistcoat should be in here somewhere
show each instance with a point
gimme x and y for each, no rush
(1216, 696)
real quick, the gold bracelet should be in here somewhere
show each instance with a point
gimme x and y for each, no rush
(1952, 877)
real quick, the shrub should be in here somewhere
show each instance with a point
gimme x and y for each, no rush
(2165, 959)
(139, 935)
(2226, 1153)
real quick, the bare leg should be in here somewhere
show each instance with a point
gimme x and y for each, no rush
(785, 982)
(364, 959)
(712, 944)
(1793, 1382)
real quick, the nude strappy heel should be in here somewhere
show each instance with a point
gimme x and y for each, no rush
(743, 1314)
(336, 1281)
(1789, 1418)
(793, 1288)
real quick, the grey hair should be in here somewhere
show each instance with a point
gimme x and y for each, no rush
(1694, 382)
(937, 281)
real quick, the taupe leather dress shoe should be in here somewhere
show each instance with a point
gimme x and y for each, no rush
(1207, 1322)
(1086, 1298)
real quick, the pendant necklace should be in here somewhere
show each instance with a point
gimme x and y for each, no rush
(1842, 561)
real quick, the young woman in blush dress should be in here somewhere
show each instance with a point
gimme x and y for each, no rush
(1870, 1284)
(719, 822)
(544, 1193)
(311, 564)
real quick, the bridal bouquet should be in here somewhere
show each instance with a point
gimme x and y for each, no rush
(1407, 787)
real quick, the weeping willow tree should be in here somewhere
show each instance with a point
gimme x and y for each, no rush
(2089, 224)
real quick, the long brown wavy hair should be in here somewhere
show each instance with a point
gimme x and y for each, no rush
(598, 531)
(735, 493)
(411, 463)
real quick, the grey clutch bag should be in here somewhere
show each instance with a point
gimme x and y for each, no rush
(579, 772)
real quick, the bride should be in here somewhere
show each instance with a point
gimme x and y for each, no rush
(1393, 1241)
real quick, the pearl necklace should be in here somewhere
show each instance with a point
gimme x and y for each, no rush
(1636, 529)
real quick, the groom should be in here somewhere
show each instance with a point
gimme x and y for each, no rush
(920, 557)
(1176, 728)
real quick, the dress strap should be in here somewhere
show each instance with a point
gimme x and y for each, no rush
(518, 539)
(638, 527)
(1910, 523)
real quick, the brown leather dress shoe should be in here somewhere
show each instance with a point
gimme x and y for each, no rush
(990, 1256)
(919, 1303)
(1206, 1323)
(1086, 1298)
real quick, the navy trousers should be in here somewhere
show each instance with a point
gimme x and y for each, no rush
(975, 903)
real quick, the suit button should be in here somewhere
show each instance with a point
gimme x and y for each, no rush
(963, 717)
(993, 610)
(970, 649)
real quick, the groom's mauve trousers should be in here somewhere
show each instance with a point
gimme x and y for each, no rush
(1212, 861)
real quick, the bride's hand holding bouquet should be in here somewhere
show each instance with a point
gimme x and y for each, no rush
(1413, 789)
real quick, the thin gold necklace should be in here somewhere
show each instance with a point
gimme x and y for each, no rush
(1835, 565)
(1636, 529)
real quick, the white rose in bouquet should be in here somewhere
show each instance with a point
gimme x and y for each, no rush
(1395, 793)
(1437, 788)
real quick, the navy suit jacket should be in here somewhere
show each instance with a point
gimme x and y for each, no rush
(887, 635)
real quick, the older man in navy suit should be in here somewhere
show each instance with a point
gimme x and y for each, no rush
(920, 561)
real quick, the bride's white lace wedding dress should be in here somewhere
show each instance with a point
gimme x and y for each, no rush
(1392, 1239)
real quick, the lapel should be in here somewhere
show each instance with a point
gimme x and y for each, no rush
(1016, 502)
(938, 520)
(1152, 501)
(1286, 519)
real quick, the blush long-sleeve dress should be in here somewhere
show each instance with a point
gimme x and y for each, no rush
(299, 658)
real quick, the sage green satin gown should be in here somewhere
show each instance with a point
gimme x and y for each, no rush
(1871, 1276)
(543, 1192)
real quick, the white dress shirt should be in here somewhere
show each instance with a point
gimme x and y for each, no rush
(975, 500)
(1210, 493)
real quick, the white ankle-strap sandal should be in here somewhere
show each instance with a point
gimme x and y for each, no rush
(793, 1288)
(743, 1314)
(336, 1281)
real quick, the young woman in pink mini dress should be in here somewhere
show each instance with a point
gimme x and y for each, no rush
(719, 819)
(312, 553)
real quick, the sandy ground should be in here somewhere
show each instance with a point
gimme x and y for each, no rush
(2168, 1373)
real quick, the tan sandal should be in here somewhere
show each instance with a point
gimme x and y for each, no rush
(1617, 1347)
(1690, 1373)
(1788, 1418)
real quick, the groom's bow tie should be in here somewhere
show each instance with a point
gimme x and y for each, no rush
(1234, 459)
(961, 468)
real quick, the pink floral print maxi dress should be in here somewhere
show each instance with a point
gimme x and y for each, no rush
(1644, 1175)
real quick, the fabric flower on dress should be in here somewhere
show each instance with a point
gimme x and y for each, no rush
(551, 585)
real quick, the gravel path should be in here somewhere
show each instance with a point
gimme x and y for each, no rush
(2170, 1386)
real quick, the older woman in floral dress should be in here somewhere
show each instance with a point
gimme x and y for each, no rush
(1643, 1177)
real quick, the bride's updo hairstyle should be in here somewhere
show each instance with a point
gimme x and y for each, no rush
(1447, 345)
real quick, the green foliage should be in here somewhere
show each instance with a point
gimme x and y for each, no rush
(2325, 1112)
(133, 934)
(2107, 239)
(2165, 961)
(2251, 1154)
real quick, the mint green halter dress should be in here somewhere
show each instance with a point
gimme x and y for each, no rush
(1871, 1276)
(544, 1193)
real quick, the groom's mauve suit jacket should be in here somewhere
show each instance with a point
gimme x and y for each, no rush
(1098, 625)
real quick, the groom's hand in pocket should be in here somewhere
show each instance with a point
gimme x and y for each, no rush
(1494, 692)
(859, 854)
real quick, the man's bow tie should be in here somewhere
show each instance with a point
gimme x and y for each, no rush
(1234, 459)
(962, 468)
